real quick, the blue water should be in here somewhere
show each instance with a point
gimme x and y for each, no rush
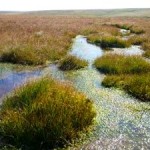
(11, 79)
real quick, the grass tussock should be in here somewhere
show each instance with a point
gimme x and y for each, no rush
(123, 26)
(137, 40)
(133, 29)
(118, 64)
(130, 73)
(108, 42)
(136, 30)
(44, 114)
(146, 48)
(136, 85)
(22, 56)
(72, 63)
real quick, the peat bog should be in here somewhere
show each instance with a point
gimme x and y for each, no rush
(78, 77)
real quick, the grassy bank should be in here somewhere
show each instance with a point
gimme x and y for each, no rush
(118, 64)
(132, 28)
(44, 114)
(128, 73)
(108, 42)
(72, 63)
(136, 85)
(137, 40)
(146, 48)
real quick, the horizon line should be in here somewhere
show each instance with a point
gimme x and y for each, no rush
(68, 9)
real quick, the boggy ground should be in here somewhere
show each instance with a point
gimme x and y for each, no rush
(36, 40)
(130, 73)
(39, 40)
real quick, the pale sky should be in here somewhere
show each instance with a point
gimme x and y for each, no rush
(27, 5)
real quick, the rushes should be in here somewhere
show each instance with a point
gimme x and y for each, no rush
(44, 114)
(118, 64)
(107, 42)
(146, 47)
(137, 40)
(133, 29)
(131, 74)
(72, 63)
(136, 85)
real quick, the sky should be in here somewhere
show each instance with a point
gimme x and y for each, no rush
(30, 5)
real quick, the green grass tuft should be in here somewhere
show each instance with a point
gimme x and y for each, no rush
(118, 64)
(133, 29)
(137, 40)
(44, 114)
(146, 48)
(72, 63)
(123, 26)
(130, 73)
(25, 56)
(107, 42)
(136, 85)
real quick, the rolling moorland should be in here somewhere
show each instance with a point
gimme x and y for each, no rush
(48, 113)
(100, 13)
(132, 12)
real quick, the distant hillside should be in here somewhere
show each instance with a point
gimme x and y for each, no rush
(10, 12)
(93, 13)
(97, 13)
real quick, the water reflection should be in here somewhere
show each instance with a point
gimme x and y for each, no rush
(12, 79)
(84, 50)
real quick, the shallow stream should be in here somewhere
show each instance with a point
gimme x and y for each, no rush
(122, 121)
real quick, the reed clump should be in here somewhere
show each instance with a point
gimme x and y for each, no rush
(132, 28)
(119, 64)
(44, 114)
(108, 42)
(136, 85)
(72, 63)
(146, 48)
(130, 73)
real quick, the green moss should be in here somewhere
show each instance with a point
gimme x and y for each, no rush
(44, 114)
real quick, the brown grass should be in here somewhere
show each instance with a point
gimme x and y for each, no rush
(33, 40)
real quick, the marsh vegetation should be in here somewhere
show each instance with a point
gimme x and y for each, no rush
(46, 113)
(72, 63)
(130, 73)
